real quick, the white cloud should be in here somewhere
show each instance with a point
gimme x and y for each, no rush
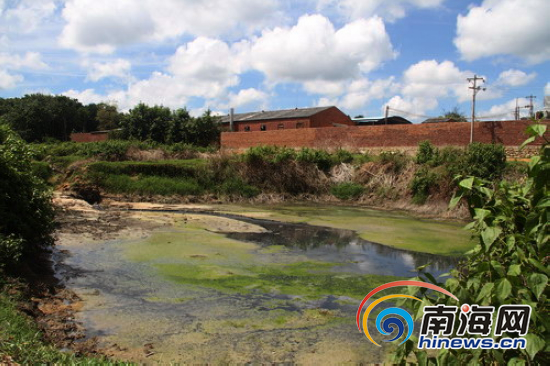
(31, 60)
(505, 111)
(313, 50)
(431, 79)
(27, 15)
(427, 81)
(412, 108)
(87, 96)
(515, 78)
(505, 27)
(118, 68)
(102, 25)
(389, 10)
(547, 89)
(10, 62)
(9, 81)
(358, 94)
(247, 98)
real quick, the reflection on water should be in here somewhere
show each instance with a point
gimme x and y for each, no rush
(344, 246)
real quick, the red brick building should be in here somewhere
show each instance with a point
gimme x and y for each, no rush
(288, 119)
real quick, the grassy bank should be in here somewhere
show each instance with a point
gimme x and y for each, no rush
(22, 342)
(145, 171)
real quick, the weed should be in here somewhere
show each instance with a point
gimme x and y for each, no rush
(347, 191)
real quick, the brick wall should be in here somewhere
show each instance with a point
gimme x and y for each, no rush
(508, 133)
(89, 137)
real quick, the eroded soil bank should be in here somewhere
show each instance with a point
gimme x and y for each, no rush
(190, 287)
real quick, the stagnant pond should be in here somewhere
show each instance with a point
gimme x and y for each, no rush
(221, 287)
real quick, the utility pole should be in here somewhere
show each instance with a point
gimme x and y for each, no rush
(531, 106)
(516, 111)
(475, 88)
(387, 112)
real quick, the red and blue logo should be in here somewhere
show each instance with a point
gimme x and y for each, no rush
(387, 321)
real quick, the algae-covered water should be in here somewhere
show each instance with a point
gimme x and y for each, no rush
(206, 288)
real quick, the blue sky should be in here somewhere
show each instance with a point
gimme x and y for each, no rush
(360, 55)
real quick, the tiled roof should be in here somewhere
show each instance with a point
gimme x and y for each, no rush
(281, 114)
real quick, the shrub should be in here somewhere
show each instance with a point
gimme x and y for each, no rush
(322, 159)
(427, 153)
(424, 180)
(509, 265)
(26, 213)
(396, 160)
(486, 161)
(343, 156)
(347, 191)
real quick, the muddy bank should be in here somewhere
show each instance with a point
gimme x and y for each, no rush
(435, 209)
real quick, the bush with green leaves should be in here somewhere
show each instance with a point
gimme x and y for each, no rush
(424, 180)
(427, 153)
(396, 160)
(347, 191)
(510, 265)
(26, 212)
(486, 161)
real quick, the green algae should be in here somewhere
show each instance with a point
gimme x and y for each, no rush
(388, 228)
(191, 255)
(302, 279)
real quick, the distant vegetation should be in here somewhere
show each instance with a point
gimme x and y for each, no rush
(43, 118)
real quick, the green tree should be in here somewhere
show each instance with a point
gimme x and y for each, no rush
(456, 114)
(203, 131)
(107, 116)
(37, 117)
(180, 120)
(26, 213)
(147, 123)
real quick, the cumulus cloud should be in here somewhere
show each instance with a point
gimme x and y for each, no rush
(313, 50)
(547, 89)
(358, 94)
(9, 81)
(103, 25)
(250, 98)
(505, 111)
(12, 62)
(432, 79)
(31, 60)
(118, 68)
(413, 108)
(86, 96)
(515, 78)
(427, 81)
(26, 15)
(505, 27)
(390, 10)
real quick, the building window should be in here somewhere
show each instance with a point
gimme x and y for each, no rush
(263, 128)
(299, 124)
(247, 128)
(281, 126)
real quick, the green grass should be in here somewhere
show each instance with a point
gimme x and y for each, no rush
(21, 340)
